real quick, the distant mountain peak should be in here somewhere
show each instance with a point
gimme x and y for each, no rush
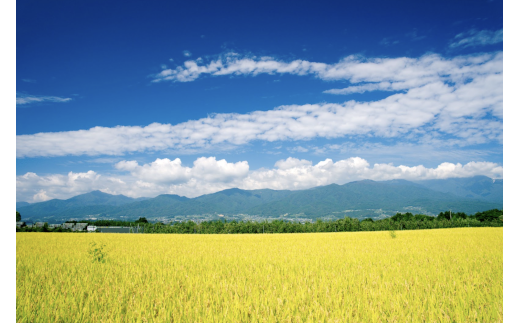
(363, 181)
(100, 193)
(171, 196)
(233, 191)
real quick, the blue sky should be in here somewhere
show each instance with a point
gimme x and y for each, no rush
(144, 99)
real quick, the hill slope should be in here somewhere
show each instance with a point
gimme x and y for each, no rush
(477, 187)
(369, 198)
(89, 203)
(21, 204)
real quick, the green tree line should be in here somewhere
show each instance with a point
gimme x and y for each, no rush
(400, 221)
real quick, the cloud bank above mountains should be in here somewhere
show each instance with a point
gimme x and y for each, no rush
(208, 175)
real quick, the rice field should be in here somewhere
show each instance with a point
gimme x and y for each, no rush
(444, 275)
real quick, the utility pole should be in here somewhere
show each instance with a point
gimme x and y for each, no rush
(450, 214)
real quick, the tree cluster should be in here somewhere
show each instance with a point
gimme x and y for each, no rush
(45, 228)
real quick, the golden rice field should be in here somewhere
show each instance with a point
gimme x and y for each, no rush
(445, 275)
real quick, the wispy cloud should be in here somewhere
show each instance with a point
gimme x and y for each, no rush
(468, 110)
(388, 41)
(475, 38)
(451, 85)
(186, 53)
(427, 150)
(208, 175)
(457, 99)
(389, 73)
(103, 160)
(367, 87)
(414, 36)
(461, 113)
(298, 149)
(27, 99)
(29, 80)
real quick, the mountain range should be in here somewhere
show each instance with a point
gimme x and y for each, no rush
(358, 199)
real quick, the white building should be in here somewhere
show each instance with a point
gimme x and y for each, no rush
(91, 228)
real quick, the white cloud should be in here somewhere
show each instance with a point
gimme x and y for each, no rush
(291, 162)
(186, 53)
(458, 98)
(412, 72)
(475, 38)
(298, 149)
(209, 175)
(470, 112)
(36, 188)
(172, 171)
(293, 173)
(367, 87)
(160, 171)
(450, 93)
(405, 74)
(26, 99)
(212, 170)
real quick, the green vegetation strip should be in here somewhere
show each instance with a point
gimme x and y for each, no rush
(400, 221)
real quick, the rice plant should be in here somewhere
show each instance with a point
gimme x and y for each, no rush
(447, 275)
